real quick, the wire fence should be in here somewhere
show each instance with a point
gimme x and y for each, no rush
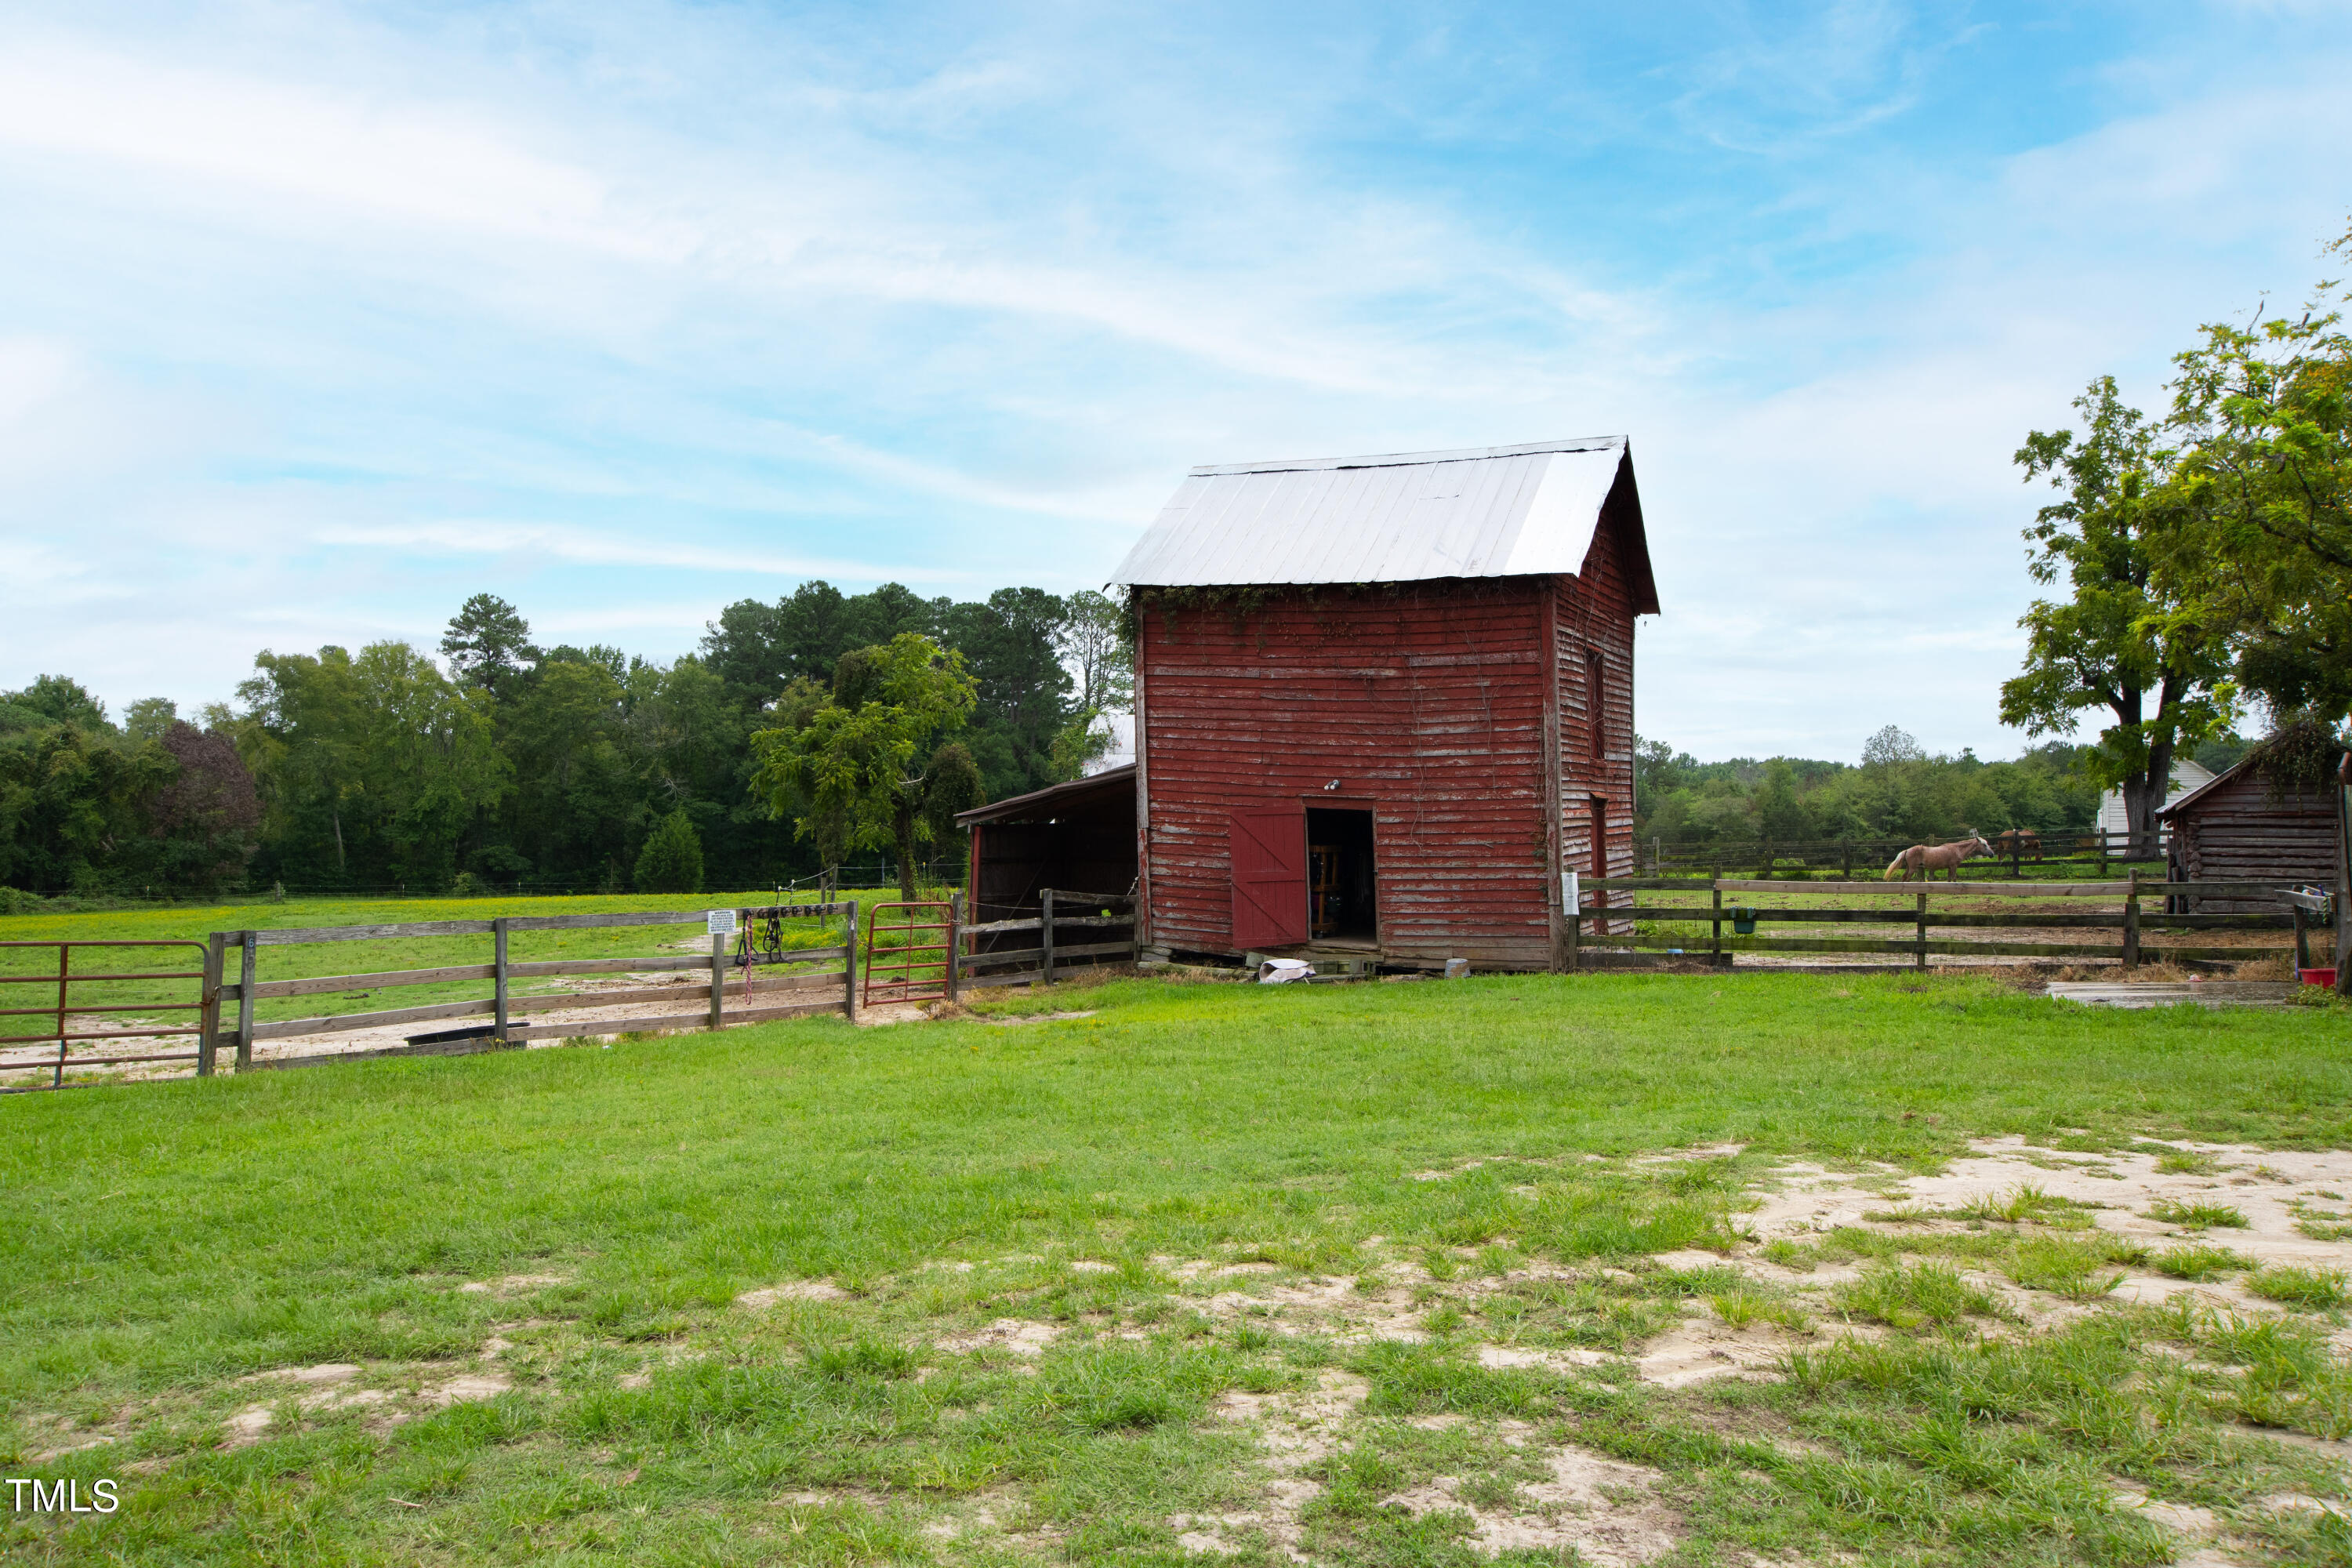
(943, 873)
(2089, 852)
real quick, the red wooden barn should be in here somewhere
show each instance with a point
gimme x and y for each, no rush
(1383, 703)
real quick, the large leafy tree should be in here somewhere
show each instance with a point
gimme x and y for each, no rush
(2260, 543)
(577, 798)
(379, 759)
(69, 800)
(2115, 642)
(877, 763)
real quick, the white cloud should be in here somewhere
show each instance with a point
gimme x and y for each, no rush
(464, 537)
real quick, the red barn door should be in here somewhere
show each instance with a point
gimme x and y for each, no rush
(1269, 854)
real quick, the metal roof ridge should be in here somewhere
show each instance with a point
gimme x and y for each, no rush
(1406, 459)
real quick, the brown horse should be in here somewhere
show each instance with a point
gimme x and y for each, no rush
(1927, 859)
(2020, 841)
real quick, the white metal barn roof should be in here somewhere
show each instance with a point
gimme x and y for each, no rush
(1493, 511)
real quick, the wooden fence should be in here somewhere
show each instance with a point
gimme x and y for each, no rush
(2131, 923)
(228, 1019)
(2092, 850)
(1084, 914)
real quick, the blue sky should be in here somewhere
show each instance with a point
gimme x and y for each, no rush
(315, 319)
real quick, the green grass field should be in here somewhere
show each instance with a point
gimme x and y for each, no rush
(1023, 1278)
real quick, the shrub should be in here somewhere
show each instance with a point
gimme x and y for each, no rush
(671, 861)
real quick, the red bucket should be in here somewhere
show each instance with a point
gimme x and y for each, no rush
(2318, 976)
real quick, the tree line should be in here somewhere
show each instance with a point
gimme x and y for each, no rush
(1897, 792)
(504, 765)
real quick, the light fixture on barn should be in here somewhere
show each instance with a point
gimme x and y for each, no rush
(1332, 786)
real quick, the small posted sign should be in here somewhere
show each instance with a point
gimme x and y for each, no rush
(1571, 899)
(721, 922)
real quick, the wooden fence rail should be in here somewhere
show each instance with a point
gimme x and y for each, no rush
(1051, 952)
(795, 991)
(2088, 846)
(1611, 909)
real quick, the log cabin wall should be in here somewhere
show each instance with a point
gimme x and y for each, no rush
(1425, 700)
(2235, 830)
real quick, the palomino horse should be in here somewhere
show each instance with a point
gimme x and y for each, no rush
(1927, 859)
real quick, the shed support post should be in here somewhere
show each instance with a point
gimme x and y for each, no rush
(1045, 930)
(499, 979)
(208, 1042)
(2344, 883)
(246, 979)
(955, 942)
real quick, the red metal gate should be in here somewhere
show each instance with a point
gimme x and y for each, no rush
(65, 1013)
(897, 972)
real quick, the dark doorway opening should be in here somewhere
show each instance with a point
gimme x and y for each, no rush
(1342, 898)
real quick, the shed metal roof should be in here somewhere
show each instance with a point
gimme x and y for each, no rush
(1047, 802)
(1490, 511)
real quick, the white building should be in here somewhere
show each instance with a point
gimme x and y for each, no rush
(2185, 776)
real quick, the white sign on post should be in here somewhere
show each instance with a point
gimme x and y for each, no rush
(721, 922)
(1570, 899)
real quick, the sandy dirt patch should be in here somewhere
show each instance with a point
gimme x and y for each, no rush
(1015, 1336)
(793, 1291)
(2274, 1191)
(1293, 1430)
(1608, 1511)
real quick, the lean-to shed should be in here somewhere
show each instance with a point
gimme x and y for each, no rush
(1383, 703)
(2242, 827)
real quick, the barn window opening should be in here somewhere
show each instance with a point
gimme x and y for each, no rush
(1341, 888)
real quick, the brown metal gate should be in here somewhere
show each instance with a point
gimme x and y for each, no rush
(901, 969)
(64, 1012)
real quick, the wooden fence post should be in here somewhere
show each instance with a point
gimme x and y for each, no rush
(1714, 947)
(1046, 930)
(849, 959)
(2131, 918)
(718, 976)
(955, 940)
(1572, 914)
(2301, 940)
(1845, 845)
(1921, 959)
(246, 980)
(208, 1042)
(498, 962)
(2344, 881)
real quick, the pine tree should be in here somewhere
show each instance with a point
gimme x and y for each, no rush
(671, 861)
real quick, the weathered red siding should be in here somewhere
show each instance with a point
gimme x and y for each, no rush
(1426, 702)
(1430, 703)
(1593, 615)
